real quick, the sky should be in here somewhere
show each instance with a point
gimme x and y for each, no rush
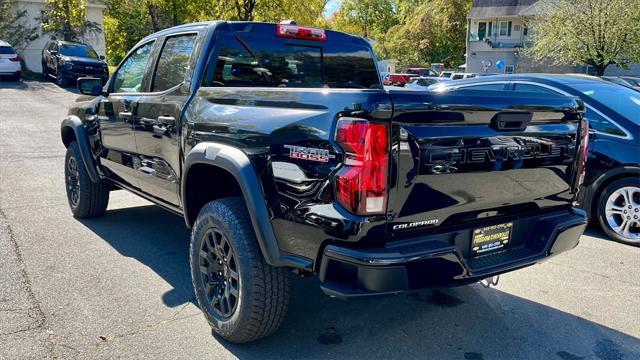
(332, 6)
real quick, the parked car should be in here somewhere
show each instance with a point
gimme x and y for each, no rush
(402, 79)
(10, 66)
(66, 61)
(423, 83)
(421, 72)
(624, 80)
(460, 76)
(283, 152)
(611, 194)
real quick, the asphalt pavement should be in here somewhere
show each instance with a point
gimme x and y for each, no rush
(119, 286)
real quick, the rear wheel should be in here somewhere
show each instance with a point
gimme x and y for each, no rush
(86, 198)
(242, 297)
(619, 210)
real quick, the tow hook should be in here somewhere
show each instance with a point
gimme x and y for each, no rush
(490, 281)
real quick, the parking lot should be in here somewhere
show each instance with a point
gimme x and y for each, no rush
(119, 286)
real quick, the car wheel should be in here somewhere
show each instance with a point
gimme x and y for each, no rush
(619, 210)
(61, 80)
(45, 72)
(86, 198)
(242, 297)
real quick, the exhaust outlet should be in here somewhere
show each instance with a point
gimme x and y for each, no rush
(490, 281)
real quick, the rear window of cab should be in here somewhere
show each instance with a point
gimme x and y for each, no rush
(247, 60)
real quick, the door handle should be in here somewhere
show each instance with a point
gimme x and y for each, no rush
(166, 120)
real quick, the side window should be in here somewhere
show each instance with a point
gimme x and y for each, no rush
(487, 87)
(173, 62)
(128, 79)
(600, 124)
(533, 89)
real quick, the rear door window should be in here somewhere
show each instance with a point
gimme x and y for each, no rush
(173, 62)
(263, 62)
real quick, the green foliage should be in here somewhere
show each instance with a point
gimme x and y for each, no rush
(13, 28)
(411, 31)
(127, 21)
(67, 19)
(594, 32)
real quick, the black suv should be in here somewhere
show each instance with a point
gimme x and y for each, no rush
(281, 150)
(66, 61)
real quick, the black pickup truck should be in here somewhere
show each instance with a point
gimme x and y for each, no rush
(283, 152)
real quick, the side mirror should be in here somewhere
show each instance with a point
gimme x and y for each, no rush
(101, 57)
(90, 86)
(53, 53)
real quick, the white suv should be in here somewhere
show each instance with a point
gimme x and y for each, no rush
(9, 62)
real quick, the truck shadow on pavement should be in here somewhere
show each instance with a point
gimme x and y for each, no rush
(468, 322)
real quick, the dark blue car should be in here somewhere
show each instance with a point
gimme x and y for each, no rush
(611, 194)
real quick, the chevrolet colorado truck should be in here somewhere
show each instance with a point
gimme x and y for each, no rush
(282, 151)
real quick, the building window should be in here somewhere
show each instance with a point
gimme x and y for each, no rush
(516, 28)
(505, 28)
(525, 31)
(509, 69)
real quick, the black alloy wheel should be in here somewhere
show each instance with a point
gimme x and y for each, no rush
(220, 273)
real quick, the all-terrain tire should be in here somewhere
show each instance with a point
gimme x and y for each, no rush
(263, 290)
(91, 199)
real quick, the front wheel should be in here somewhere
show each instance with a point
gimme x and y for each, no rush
(86, 198)
(619, 210)
(242, 297)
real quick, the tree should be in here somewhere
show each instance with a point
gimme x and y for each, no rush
(13, 28)
(67, 19)
(368, 18)
(433, 32)
(594, 32)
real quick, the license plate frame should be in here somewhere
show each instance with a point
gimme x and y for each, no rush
(490, 239)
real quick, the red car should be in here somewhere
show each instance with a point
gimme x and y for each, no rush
(404, 78)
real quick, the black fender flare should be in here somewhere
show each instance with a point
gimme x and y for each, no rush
(237, 163)
(593, 191)
(75, 124)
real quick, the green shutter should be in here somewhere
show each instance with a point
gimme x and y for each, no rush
(509, 29)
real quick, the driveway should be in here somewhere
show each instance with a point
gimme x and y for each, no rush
(119, 286)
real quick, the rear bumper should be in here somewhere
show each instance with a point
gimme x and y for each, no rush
(443, 259)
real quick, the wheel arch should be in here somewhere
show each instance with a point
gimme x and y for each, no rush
(72, 130)
(225, 161)
(593, 192)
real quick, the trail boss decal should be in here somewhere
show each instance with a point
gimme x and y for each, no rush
(306, 153)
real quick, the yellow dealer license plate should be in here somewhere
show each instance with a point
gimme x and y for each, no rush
(491, 238)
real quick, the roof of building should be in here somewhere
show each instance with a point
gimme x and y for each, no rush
(482, 9)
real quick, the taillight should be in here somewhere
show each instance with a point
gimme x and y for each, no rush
(300, 32)
(15, 58)
(361, 185)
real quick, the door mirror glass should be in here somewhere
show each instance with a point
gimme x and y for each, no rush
(101, 57)
(90, 86)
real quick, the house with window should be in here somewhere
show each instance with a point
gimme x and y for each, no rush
(32, 54)
(497, 30)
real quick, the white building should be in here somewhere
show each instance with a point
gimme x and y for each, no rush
(496, 31)
(387, 66)
(33, 52)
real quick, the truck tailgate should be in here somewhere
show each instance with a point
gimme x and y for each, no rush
(468, 154)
